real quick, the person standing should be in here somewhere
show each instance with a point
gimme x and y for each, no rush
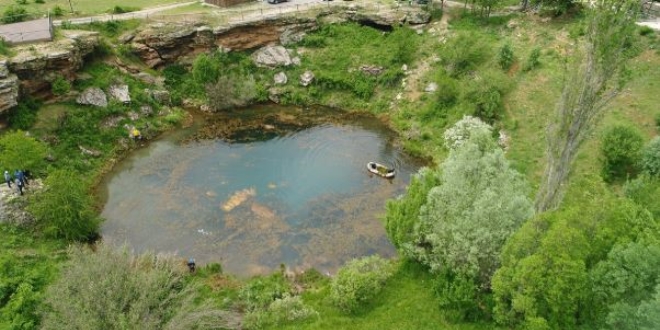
(191, 265)
(19, 185)
(8, 178)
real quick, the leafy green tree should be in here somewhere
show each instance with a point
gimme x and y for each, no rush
(480, 202)
(115, 289)
(403, 213)
(64, 209)
(650, 161)
(546, 265)
(620, 147)
(644, 191)
(19, 150)
(593, 77)
(359, 281)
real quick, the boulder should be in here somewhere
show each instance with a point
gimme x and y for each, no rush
(296, 61)
(291, 36)
(146, 110)
(93, 96)
(418, 17)
(431, 88)
(120, 93)
(159, 95)
(90, 152)
(272, 56)
(280, 78)
(306, 78)
(274, 94)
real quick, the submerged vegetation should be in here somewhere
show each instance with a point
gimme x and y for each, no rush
(474, 254)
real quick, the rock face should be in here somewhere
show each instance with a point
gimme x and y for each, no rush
(161, 44)
(306, 78)
(272, 56)
(93, 96)
(120, 93)
(37, 65)
(280, 78)
(8, 88)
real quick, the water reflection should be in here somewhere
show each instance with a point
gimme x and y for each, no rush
(303, 199)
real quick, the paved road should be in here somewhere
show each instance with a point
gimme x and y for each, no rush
(120, 17)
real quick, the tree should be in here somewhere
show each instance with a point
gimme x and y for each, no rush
(650, 161)
(19, 150)
(467, 218)
(116, 289)
(593, 78)
(64, 209)
(620, 147)
(359, 281)
(403, 213)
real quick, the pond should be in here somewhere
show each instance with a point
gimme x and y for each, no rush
(259, 188)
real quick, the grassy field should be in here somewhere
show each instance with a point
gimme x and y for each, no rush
(86, 7)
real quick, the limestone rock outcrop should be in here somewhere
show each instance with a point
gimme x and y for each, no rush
(161, 44)
(120, 93)
(36, 66)
(8, 88)
(93, 96)
(272, 56)
(280, 78)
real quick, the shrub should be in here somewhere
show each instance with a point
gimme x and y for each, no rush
(103, 288)
(57, 11)
(4, 47)
(260, 292)
(620, 149)
(13, 14)
(650, 160)
(465, 128)
(24, 115)
(464, 52)
(646, 31)
(18, 150)
(231, 91)
(123, 9)
(60, 86)
(205, 69)
(506, 57)
(21, 2)
(65, 208)
(656, 118)
(485, 94)
(39, 1)
(359, 281)
(533, 60)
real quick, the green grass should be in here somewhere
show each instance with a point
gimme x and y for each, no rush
(406, 302)
(86, 7)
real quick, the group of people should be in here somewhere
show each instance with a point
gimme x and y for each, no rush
(20, 179)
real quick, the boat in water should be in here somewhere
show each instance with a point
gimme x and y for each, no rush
(381, 170)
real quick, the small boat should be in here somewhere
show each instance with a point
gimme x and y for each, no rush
(380, 169)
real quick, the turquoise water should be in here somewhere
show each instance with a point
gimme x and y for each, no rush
(303, 199)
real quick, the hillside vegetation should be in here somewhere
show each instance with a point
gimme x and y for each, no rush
(475, 252)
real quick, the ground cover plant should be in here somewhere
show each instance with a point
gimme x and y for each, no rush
(81, 7)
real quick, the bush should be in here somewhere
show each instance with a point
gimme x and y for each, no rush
(485, 94)
(359, 281)
(506, 57)
(533, 60)
(65, 208)
(24, 115)
(123, 10)
(620, 149)
(60, 86)
(21, 151)
(231, 91)
(106, 289)
(205, 69)
(260, 292)
(646, 31)
(57, 11)
(464, 52)
(39, 1)
(21, 2)
(4, 47)
(650, 160)
(13, 14)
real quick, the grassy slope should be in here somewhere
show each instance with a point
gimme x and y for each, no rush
(407, 302)
(86, 7)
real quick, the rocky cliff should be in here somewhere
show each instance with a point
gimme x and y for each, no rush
(31, 69)
(160, 44)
